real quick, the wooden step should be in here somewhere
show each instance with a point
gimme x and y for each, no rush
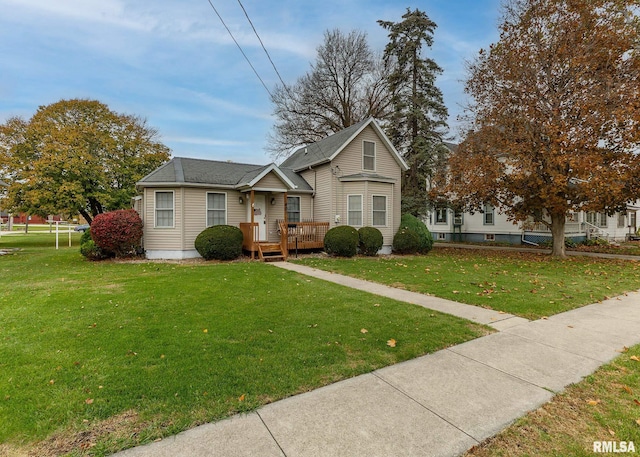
(270, 251)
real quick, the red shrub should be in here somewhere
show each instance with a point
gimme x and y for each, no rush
(118, 232)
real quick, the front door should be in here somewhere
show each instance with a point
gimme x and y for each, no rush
(260, 215)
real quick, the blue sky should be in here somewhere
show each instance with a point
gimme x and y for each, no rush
(173, 63)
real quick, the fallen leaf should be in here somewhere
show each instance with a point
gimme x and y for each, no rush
(376, 304)
(627, 389)
(638, 421)
(88, 401)
(241, 398)
(593, 402)
(612, 433)
(624, 349)
(364, 330)
(391, 343)
(544, 318)
(205, 331)
(51, 381)
(635, 358)
(636, 401)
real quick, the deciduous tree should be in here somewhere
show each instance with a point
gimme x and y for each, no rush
(419, 117)
(76, 156)
(554, 122)
(346, 85)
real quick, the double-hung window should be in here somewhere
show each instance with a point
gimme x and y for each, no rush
(164, 209)
(379, 210)
(354, 216)
(293, 209)
(216, 208)
(489, 214)
(441, 214)
(368, 156)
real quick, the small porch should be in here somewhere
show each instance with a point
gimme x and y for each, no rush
(294, 236)
(269, 234)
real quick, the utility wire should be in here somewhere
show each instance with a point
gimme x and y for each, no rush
(240, 48)
(262, 44)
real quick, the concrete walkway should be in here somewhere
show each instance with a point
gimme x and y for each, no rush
(436, 405)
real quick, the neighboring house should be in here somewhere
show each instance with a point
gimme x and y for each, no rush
(350, 178)
(490, 225)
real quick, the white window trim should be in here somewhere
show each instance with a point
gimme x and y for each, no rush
(493, 215)
(299, 206)
(155, 209)
(489, 237)
(361, 210)
(386, 210)
(375, 154)
(442, 236)
(435, 216)
(206, 213)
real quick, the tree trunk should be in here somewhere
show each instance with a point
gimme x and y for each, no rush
(86, 216)
(557, 234)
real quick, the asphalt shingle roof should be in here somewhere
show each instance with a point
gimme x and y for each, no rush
(214, 172)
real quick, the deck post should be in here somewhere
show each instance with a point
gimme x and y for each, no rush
(286, 227)
(252, 222)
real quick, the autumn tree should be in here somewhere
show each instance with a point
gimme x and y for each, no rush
(76, 156)
(554, 117)
(419, 116)
(346, 84)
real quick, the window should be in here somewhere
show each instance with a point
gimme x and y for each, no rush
(632, 219)
(621, 220)
(489, 237)
(354, 216)
(441, 215)
(216, 209)
(442, 236)
(597, 219)
(379, 210)
(293, 209)
(368, 155)
(164, 209)
(489, 214)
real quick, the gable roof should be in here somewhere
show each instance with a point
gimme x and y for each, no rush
(327, 149)
(214, 173)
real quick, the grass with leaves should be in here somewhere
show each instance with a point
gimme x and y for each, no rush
(605, 406)
(100, 356)
(530, 285)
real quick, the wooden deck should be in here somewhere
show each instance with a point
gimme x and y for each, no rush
(293, 236)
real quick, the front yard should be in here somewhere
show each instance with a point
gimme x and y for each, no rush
(530, 285)
(96, 357)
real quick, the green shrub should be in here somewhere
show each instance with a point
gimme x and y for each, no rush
(406, 241)
(596, 242)
(425, 240)
(370, 240)
(341, 241)
(91, 251)
(220, 242)
(118, 232)
(86, 236)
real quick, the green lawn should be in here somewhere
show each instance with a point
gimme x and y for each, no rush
(530, 285)
(95, 357)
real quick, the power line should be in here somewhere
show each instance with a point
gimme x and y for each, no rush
(240, 48)
(262, 44)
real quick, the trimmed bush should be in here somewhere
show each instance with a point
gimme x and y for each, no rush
(424, 235)
(118, 232)
(220, 242)
(406, 241)
(341, 241)
(370, 240)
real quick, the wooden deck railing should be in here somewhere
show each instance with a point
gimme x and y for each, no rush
(249, 237)
(302, 235)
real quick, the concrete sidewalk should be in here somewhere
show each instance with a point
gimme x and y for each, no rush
(436, 405)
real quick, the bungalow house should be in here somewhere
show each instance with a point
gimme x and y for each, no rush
(490, 225)
(352, 177)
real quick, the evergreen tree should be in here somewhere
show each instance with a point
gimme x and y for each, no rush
(419, 118)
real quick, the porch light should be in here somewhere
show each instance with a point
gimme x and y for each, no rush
(240, 200)
(273, 200)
